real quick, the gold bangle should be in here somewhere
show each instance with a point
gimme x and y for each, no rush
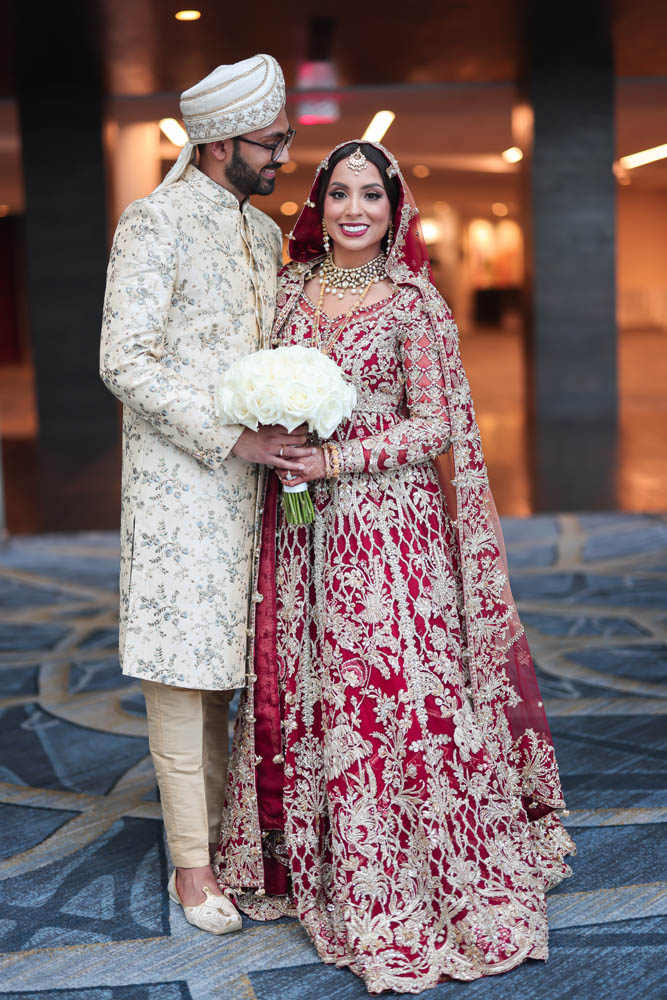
(334, 458)
(327, 466)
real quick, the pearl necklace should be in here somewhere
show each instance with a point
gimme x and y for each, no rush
(339, 280)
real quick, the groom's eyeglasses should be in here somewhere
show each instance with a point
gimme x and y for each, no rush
(277, 148)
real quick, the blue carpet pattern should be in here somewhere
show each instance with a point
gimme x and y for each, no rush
(83, 865)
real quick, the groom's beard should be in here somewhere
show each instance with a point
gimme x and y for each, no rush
(246, 180)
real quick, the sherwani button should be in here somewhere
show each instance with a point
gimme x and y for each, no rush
(278, 759)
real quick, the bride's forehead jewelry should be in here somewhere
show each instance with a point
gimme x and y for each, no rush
(357, 162)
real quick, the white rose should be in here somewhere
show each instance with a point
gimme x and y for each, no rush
(299, 402)
(328, 415)
(282, 372)
(240, 410)
(266, 405)
(349, 398)
(286, 386)
(321, 382)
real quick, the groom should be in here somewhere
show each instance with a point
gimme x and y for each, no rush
(191, 287)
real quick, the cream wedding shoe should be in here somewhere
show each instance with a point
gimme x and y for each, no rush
(217, 914)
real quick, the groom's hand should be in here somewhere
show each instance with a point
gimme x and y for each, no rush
(274, 446)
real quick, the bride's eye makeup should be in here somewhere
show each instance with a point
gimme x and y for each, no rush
(372, 195)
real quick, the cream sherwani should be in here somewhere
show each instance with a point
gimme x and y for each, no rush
(191, 287)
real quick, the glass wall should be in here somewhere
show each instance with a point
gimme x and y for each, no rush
(641, 122)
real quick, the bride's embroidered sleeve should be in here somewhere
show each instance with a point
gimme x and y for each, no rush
(426, 432)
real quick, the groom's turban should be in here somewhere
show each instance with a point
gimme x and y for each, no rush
(230, 101)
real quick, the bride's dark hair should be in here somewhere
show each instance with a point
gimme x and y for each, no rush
(372, 154)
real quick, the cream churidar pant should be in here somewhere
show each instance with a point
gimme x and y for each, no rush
(187, 735)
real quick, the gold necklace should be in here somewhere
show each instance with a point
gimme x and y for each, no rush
(339, 280)
(318, 311)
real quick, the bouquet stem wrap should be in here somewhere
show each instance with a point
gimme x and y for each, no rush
(297, 504)
(287, 387)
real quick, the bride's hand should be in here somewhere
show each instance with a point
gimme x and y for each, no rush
(312, 466)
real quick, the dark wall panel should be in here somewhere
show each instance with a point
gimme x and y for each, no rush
(569, 82)
(60, 105)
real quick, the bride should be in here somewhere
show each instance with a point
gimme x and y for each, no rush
(393, 781)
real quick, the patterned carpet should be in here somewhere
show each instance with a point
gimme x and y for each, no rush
(83, 866)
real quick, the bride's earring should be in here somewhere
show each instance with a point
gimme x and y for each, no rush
(390, 236)
(325, 234)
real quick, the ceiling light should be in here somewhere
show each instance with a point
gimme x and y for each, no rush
(499, 208)
(4, 210)
(512, 155)
(430, 231)
(173, 131)
(289, 208)
(289, 167)
(646, 156)
(441, 206)
(379, 124)
(420, 170)
(187, 15)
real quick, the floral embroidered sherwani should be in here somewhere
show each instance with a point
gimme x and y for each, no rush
(191, 287)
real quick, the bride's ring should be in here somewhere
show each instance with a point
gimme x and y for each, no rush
(282, 447)
(288, 476)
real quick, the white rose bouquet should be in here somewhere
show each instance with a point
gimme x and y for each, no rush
(287, 386)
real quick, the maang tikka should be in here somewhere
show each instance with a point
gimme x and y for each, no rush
(357, 162)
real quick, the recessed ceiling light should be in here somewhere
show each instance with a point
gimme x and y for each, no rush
(378, 125)
(289, 208)
(173, 131)
(512, 155)
(187, 15)
(420, 170)
(289, 167)
(499, 208)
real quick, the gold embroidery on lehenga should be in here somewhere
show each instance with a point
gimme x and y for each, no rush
(410, 854)
(414, 749)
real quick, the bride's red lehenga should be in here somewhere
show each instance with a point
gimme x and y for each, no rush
(393, 781)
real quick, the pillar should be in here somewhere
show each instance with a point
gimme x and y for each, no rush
(568, 85)
(60, 106)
